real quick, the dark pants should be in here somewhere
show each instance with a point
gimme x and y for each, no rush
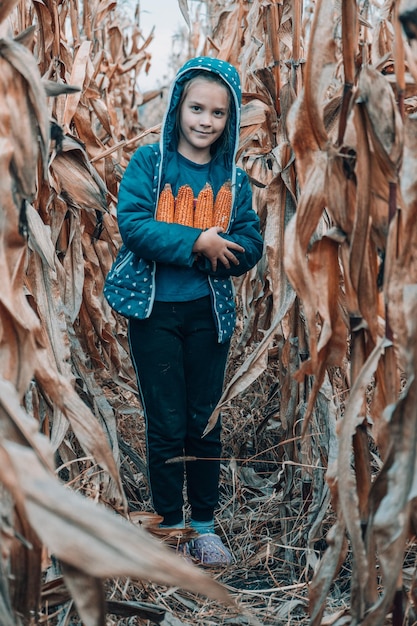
(180, 368)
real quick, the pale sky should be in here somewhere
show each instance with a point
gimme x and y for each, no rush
(167, 18)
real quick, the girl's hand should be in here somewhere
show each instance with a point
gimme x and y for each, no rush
(216, 249)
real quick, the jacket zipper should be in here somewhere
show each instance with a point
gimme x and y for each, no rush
(123, 262)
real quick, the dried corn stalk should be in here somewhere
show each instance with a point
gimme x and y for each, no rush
(322, 142)
(55, 326)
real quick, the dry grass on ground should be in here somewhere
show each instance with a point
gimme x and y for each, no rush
(260, 518)
(263, 517)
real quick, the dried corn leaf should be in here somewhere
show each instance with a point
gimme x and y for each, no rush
(401, 267)
(76, 180)
(88, 594)
(133, 62)
(396, 485)
(85, 131)
(363, 255)
(77, 78)
(385, 124)
(116, 43)
(90, 537)
(48, 47)
(63, 396)
(227, 34)
(17, 426)
(254, 365)
(347, 488)
(327, 571)
(6, 7)
(297, 238)
(331, 323)
(280, 209)
(101, 110)
(40, 238)
(23, 118)
(102, 9)
(17, 318)
(319, 69)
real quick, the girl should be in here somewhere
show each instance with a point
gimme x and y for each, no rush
(173, 282)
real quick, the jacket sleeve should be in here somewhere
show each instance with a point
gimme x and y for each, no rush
(141, 233)
(245, 230)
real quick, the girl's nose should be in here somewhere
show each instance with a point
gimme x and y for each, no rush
(205, 119)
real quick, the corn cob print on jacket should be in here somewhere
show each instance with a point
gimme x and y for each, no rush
(147, 241)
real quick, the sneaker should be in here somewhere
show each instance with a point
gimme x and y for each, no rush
(209, 550)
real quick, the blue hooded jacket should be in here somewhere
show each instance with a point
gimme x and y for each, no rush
(130, 284)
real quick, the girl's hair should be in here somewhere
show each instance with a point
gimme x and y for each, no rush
(222, 145)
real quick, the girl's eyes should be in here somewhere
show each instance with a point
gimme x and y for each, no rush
(196, 108)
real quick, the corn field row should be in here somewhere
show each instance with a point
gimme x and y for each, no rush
(329, 142)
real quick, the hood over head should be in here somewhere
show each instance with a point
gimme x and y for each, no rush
(229, 74)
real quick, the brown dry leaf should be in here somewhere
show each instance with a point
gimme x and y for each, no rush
(319, 70)
(363, 268)
(402, 243)
(46, 33)
(105, 417)
(332, 340)
(102, 112)
(254, 365)
(73, 266)
(325, 182)
(17, 426)
(227, 34)
(88, 595)
(255, 129)
(59, 389)
(346, 479)
(382, 40)
(19, 345)
(384, 121)
(133, 62)
(6, 7)
(46, 285)
(116, 43)
(297, 238)
(77, 78)
(327, 571)
(84, 424)
(24, 115)
(103, 9)
(309, 140)
(93, 144)
(395, 487)
(25, 566)
(408, 179)
(76, 180)
(17, 318)
(145, 519)
(90, 537)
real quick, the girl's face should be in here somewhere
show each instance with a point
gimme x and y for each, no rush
(203, 116)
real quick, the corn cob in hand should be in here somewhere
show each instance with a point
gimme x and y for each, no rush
(203, 216)
(184, 206)
(223, 206)
(166, 203)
